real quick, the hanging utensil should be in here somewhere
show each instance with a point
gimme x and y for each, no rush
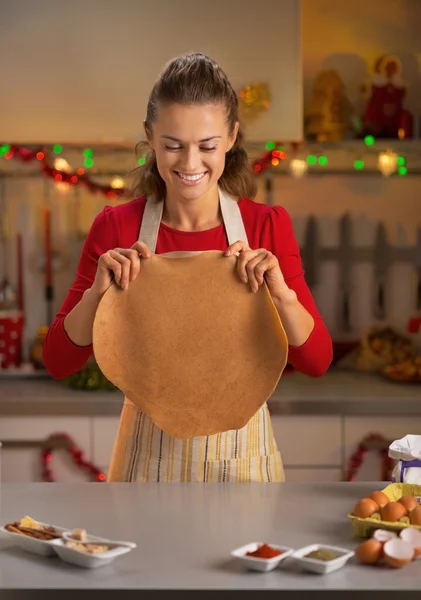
(381, 256)
(311, 255)
(7, 292)
(417, 265)
(344, 263)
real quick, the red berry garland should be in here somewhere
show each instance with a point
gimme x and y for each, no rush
(358, 457)
(74, 451)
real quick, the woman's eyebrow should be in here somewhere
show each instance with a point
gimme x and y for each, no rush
(170, 137)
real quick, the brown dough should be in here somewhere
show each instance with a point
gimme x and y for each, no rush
(190, 344)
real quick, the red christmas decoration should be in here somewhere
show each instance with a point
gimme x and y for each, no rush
(358, 457)
(26, 155)
(414, 325)
(76, 454)
(79, 177)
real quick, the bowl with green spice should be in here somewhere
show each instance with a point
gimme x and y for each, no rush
(322, 558)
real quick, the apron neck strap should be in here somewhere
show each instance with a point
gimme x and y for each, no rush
(231, 216)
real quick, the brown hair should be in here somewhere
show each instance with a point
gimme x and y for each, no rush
(194, 79)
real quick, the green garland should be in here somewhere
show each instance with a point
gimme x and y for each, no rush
(89, 378)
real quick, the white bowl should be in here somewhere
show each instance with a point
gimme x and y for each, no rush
(322, 566)
(260, 564)
(91, 561)
(30, 544)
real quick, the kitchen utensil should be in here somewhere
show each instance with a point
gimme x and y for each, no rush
(344, 262)
(381, 256)
(311, 257)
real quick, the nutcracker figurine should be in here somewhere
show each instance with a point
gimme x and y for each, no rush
(385, 116)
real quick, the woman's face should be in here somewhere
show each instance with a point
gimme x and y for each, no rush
(190, 144)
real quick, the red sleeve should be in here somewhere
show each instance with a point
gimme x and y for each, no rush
(315, 356)
(61, 356)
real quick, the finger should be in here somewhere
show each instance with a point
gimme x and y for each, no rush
(238, 246)
(243, 259)
(251, 269)
(107, 262)
(134, 257)
(142, 249)
(125, 268)
(268, 263)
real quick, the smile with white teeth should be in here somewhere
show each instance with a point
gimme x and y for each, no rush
(195, 177)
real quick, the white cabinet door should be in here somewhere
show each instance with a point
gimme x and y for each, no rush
(24, 465)
(308, 440)
(392, 428)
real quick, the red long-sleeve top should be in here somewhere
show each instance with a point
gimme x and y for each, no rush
(118, 227)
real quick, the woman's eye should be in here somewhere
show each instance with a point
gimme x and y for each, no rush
(173, 148)
(207, 149)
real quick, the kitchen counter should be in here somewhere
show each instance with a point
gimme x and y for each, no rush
(337, 393)
(184, 535)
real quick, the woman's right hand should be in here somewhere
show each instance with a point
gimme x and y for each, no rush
(120, 266)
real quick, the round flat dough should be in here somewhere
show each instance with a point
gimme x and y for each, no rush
(190, 344)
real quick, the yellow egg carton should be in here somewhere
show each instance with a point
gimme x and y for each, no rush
(365, 527)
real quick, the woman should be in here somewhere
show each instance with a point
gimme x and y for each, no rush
(195, 145)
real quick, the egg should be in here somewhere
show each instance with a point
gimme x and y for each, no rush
(383, 536)
(409, 502)
(365, 508)
(392, 512)
(398, 553)
(369, 552)
(415, 516)
(413, 537)
(379, 498)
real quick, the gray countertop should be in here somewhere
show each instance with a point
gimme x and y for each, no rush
(337, 393)
(185, 533)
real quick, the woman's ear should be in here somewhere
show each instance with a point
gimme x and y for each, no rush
(148, 133)
(233, 136)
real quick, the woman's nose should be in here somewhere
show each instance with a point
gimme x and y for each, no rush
(191, 160)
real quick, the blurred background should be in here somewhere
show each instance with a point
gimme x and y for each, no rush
(330, 96)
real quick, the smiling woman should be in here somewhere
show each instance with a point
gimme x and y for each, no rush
(194, 194)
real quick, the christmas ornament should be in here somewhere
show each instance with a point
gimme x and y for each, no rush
(388, 162)
(76, 454)
(254, 100)
(367, 445)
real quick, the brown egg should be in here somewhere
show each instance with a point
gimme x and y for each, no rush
(409, 502)
(369, 552)
(398, 553)
(379, 498)
(415, 516)
(365, 508)
(392, 512)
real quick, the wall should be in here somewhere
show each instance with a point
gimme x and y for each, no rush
(83, 70)
(350, 36)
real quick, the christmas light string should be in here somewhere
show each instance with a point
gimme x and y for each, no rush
(76, 454)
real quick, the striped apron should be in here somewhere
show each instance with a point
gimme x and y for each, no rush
(143, 452)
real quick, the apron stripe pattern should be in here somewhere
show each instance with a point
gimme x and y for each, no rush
(143, 452)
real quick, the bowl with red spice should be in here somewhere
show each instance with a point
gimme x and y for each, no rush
(260, 556)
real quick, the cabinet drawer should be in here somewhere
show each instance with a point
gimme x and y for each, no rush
(309, 440)
(104, 431)
(313, 475)
(24, 465)
(392, 428)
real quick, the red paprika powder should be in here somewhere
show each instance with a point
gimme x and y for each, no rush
(264, 551)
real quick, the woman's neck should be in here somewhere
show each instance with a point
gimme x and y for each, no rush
(192, 215)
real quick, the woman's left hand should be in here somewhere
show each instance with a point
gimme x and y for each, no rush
(256, 266)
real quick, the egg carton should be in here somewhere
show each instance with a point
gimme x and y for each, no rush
(364, 528)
